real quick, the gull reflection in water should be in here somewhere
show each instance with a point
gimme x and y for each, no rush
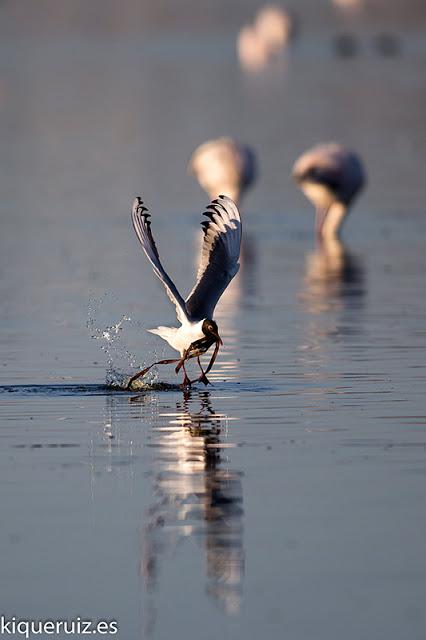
(198, 497)
(334, 278)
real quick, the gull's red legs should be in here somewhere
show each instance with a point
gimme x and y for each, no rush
(203, 378)
(186, 381)
(180, 365)
(139, 374)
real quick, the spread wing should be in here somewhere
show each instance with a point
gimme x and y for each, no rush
(142, 225)
(219, 257)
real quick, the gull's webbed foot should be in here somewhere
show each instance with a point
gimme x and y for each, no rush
(144, 371)
(186, 381)
(135, 377)
(204, 379)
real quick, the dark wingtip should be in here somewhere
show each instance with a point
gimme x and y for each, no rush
(141, 208)
(139, 204)
(217, 206)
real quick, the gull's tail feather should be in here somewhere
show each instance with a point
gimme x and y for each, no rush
(167, 333)
(163, 331)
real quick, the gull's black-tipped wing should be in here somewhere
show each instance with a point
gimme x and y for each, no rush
(142, 225)
(219, 257)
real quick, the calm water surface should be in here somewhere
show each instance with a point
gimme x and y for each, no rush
(287, 498)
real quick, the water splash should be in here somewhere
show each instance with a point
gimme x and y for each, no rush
(114, 341)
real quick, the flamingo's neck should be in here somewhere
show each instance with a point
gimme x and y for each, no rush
(333, 220)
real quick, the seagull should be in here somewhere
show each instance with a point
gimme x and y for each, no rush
(219, 263)
(225, 166)
(330, 176)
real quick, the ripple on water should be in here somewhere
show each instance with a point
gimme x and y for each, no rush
(53, 390)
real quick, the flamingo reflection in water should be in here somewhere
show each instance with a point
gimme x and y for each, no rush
(334, 277)
(333, 294)
(198, 496)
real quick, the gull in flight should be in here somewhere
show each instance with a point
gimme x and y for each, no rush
(218, 265)
(330, 176)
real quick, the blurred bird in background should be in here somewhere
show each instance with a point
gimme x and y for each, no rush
(263, 40)
(330, 176)
(224, 166)
(349, 5)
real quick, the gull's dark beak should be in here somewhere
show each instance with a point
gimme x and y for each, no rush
(217, 337)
